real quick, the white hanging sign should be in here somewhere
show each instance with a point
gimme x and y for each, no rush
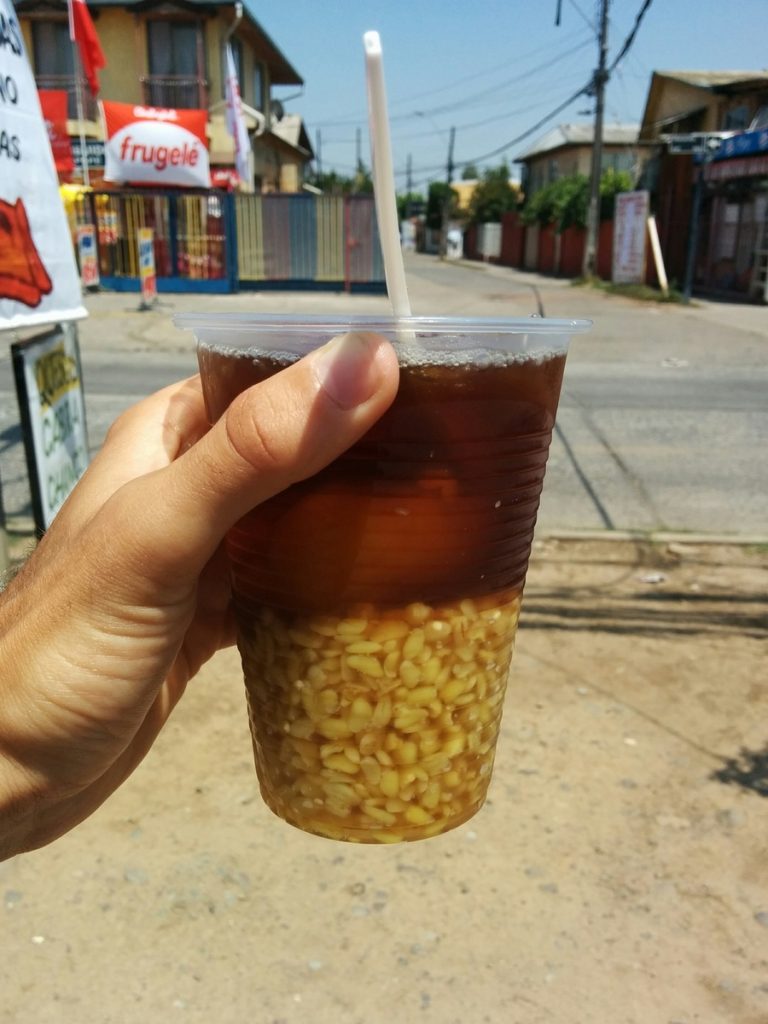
(39, 283)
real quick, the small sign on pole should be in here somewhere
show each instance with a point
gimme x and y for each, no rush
(629, 227)
(49, 389)
(147, 276)
(86, 250)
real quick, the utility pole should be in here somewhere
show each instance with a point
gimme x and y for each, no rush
(449, 165)
(318, 152)
(447, 200)
(358, 149)
(409, 175)
(598, 84)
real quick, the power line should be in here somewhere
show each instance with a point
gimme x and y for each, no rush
(631, 37)
(587, 19)
(512, 142)
(542, 121)
(498, 118)
(529, 131)
(468, 100)
(471, 100)
(469, 78)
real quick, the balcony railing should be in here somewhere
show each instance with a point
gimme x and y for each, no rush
(68, 83)
(185, 92)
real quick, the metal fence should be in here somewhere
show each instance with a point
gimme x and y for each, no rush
(193, 241)
(218, 242)
(307, 241)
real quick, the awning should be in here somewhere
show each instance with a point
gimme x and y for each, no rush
(743, 144)
(746, 167)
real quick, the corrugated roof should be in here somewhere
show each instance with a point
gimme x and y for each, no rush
(711, 79)
(581, 135)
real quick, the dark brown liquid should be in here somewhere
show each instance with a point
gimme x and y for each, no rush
(436, 503)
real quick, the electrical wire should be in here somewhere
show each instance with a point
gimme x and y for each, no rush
(631, 37)
(469, 101)
(499, 119)
(512, 142)
(472, 77)
(531, 130)
(466, 101)
(592, 24)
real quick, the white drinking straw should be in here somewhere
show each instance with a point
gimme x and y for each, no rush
(383, 177)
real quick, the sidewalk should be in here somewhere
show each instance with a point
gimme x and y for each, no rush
(618, 872)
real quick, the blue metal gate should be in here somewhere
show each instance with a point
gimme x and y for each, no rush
(194, 239)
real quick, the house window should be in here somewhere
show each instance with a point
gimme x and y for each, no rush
(176, 65)
(623, 160)
(52, 49)
(258, 86)
(736, 119)
(55, 66)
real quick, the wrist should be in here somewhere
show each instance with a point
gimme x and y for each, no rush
(21, 788)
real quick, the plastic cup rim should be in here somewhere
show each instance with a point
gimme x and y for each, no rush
(339, 324)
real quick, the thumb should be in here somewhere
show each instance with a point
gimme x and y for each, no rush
(272, 435)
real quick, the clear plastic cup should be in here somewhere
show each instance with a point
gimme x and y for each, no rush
(377, 602)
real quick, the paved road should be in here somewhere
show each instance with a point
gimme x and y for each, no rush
(663, 415)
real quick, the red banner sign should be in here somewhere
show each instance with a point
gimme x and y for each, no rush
(153, 146)
(54, 106)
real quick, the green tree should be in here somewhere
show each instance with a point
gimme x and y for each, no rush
(562, 203)
(441, 199)
(330, 182)
(405, 201)
(493, 196)
(362, 183)
(611, 183)
(335, 184)
(565, 202)
(470, 173)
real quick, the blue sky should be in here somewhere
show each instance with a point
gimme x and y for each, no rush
(491, 68)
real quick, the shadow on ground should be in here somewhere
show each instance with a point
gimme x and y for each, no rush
(747, 771)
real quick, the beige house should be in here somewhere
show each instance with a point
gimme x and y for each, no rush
(680, 102)
(170, 53)
(731, 248)
(567, 150)
(293, 149)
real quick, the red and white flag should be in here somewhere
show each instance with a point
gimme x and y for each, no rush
(236, 121)
(82, 32)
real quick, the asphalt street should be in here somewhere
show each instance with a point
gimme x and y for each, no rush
(662, 421)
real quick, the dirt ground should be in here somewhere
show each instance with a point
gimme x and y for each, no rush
(618, 874)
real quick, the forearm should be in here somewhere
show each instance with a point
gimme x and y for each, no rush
(20, 792)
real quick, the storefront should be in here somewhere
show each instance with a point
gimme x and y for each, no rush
(736, 217)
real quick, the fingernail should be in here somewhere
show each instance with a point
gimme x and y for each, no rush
(345, 368)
